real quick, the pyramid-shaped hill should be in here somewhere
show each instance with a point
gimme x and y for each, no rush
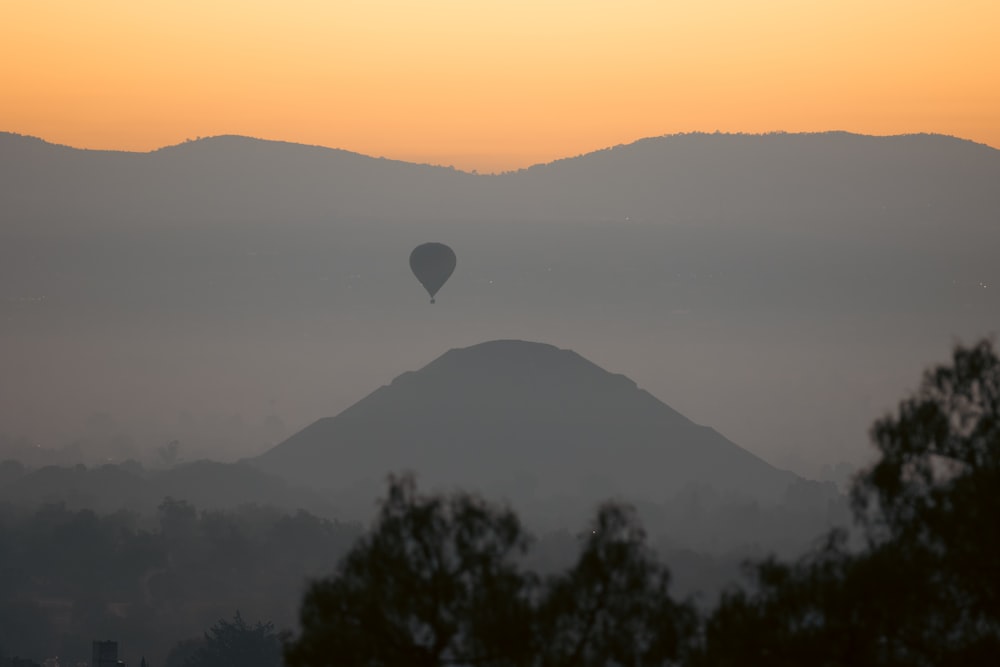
(527, 421)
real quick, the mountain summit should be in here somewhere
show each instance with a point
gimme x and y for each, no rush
(526, 420)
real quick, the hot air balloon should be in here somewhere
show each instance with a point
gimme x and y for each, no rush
(432, 264)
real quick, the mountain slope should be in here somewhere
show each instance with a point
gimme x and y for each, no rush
(525, 420)
(749, 179)
(219, 179)
(768, 179)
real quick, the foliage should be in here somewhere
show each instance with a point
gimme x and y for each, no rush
(433, 584)
(613, 607)
(831, 608)
(238, 644)
(933, 494)
(925, 589)
(437, 583)
(69, 576)
(934, 488)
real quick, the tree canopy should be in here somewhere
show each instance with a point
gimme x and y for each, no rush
(438, 582)
(924, 589)
(429, 586)
(237, 643)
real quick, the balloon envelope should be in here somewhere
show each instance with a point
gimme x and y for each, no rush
(432, 264)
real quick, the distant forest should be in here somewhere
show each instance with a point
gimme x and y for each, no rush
(69, 577)
(157, 581)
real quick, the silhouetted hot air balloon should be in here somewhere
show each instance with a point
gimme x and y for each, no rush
(432, 264)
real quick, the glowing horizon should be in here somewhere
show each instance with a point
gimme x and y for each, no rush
(473, 169)
(493, 86)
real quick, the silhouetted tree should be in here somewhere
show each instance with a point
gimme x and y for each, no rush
(934, 494)
(925, 589)
(435, 583)
(831, 608)
(613, 606)
(238, 644)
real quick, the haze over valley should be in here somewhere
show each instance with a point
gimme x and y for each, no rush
(226, 292)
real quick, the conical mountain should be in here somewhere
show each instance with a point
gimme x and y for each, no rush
(525, 420)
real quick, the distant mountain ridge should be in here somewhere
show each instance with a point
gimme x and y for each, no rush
(24, 142)
(777, 177)
(227, 178)
(527, 421)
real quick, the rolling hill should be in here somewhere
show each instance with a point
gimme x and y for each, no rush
(777, 179)
(528, 421)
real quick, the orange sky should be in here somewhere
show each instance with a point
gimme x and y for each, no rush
(492, 85)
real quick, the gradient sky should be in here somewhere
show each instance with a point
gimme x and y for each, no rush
(488, 85)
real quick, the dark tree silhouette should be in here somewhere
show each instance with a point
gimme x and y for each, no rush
(831, 608)
(925, 588)
(934, 492)
(613, 606)
(238, 644)
(436, 582)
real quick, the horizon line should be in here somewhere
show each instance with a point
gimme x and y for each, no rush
(475, 172)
